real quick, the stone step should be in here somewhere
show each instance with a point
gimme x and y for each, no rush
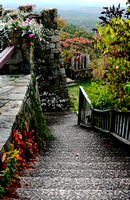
(84, 158)
(101, 150)
(83, 166)
(66, 118)
(77, 173)
(79, 165)
(76, 183)
(84, 145)
(56, 194)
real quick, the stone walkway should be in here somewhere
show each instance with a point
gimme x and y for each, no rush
(79, 165)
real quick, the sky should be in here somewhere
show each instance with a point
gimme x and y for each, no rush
(63, 3)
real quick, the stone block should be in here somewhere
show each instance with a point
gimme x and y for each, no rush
(55, 38)
(55, 51)
(15, 58)
(56, 32)
(50, 46)
(13, 67)
(62, 71)
(58, 45)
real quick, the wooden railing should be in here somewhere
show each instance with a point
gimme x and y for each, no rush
(114, 122)
(6, 54)
(80, 62)
(85, 108)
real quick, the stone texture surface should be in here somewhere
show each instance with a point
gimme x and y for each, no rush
(79, 164)
(13, 93)
(50, 69)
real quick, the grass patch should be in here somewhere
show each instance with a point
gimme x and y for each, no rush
(74, 94)
(97, 92)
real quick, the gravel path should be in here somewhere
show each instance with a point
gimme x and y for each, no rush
(80, 164)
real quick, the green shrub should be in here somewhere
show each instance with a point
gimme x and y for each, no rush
(99, 95)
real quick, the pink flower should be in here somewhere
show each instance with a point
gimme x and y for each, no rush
(31, 35)
(11, 19)
(30, 42)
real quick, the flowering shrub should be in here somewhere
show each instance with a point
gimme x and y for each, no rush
(26, 8)
(6, 11)
(28, 27)
(16, 19)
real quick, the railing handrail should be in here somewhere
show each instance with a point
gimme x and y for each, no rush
(86, 96)
(115, 122)
(6, 54)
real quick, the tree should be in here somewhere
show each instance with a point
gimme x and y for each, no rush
(115, 43)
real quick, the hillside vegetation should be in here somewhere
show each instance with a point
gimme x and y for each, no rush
(109, 53)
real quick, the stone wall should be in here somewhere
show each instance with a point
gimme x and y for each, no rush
(49, 66)
(48, 63)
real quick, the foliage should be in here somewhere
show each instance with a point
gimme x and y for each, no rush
(9, 167)
(38, 121)
(26, 8)
(71, 31)
(27, 145)
(23, 150)
(111, 13)
(99, 66)
(60, 22)
(75, 40)
(71, 46)
(114, 42)
(97, 91)
(99, 95)
(16, 20)
(74, 94)
(78, 43)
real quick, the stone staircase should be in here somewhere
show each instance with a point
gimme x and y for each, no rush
(79, 164)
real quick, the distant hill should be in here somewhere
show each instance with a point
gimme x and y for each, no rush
(82, 17)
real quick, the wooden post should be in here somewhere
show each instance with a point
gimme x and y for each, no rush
(76, 62)
(80, 105)
(72, 66)
(87, 60)
(80, 62)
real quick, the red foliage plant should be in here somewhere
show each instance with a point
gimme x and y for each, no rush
(27, 146)
(77, 42)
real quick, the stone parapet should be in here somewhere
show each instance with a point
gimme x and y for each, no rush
(13, 101)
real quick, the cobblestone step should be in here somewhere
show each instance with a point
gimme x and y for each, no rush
(92, 158)
(83, 166)
(56, 194)
(78, 173)
(77, 183)
(80, 164)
